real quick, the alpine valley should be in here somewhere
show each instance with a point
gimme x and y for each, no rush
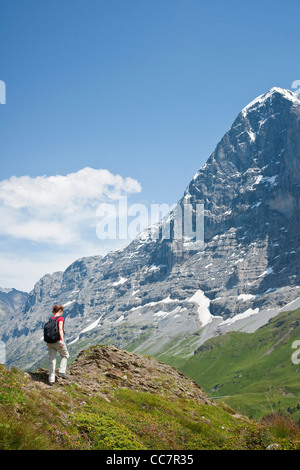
(165, 297)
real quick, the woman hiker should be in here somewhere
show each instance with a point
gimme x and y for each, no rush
(58, 346)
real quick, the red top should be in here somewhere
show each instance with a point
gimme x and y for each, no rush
(58, 319)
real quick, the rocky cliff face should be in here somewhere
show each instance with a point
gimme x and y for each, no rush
(166, 296)
(11, 303)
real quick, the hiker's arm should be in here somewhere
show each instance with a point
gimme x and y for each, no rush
(61, 332)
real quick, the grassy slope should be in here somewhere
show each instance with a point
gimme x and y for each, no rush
(253, 372)
(68, 416)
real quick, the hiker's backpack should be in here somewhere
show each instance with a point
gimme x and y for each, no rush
(51, 333)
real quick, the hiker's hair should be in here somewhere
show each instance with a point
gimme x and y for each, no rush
(57, 308)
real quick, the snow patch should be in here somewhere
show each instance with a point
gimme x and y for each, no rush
(267, 272)
(74, 340)
(91, 326)
(248, 313)
(120, 281)
(271, 180)
(203, 306)
(85, 330)
(152, 304)
(257, 204)
(120, 319)
(289, 304)
(252, 135)
(69, 303)
(245, 297)
(207, 266)
(162, 313)
(135, 292)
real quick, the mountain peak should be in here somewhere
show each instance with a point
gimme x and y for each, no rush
(5, 290)
(269, 95)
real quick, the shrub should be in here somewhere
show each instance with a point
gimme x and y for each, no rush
(281, 425)
(105, 433)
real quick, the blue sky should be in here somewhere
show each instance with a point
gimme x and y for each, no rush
(142, 89)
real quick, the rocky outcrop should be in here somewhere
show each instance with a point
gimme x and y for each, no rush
(102, 365)
(102, 368)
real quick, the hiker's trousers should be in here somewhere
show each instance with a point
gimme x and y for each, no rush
(53, 348)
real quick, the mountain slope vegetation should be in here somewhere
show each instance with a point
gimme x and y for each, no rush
(116, 400)
(253, 372)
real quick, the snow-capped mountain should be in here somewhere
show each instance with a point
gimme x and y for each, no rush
(164, 297)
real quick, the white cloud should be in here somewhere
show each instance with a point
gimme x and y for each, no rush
(65, 191)
(56, 209)
(47, 222)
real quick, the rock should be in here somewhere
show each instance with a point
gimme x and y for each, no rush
(143, 373)
(273, 447)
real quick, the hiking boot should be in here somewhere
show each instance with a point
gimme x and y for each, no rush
(63, 376)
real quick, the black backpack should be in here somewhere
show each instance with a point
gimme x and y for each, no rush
(51, 333)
